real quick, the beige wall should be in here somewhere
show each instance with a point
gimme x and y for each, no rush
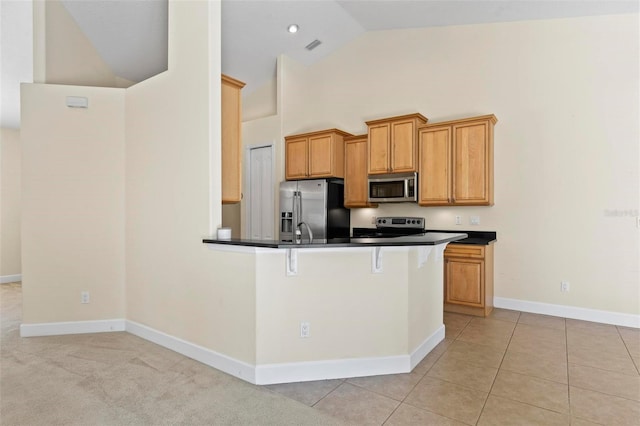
(76, 228)
(344, 303)
(10, 155)
(72, 204)
(566, 144)
(173, 196)
(66, 54)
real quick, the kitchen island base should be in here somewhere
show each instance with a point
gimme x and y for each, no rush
(340, 312)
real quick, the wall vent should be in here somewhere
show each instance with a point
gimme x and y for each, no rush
(315, 43)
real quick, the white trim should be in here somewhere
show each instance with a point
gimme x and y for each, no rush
(261, 374)
(4, 279)
(206, 356)
(573, 312)
(427, 346)
(341, 368)
(71, 327)
(268, 374)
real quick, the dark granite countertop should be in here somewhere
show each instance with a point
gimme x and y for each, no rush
(427, 239)
(474, 237)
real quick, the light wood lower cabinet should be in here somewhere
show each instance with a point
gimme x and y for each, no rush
(356, 187)
(468, 279)
(231, 116)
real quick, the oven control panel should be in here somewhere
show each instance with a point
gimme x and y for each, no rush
(400, 222)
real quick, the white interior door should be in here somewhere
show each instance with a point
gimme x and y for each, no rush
(260, 209)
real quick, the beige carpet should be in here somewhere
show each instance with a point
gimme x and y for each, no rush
(120, 379)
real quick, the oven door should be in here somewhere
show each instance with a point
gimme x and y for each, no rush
(394, 188)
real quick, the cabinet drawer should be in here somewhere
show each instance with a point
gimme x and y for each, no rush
(464, 250)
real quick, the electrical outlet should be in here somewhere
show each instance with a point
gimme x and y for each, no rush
(373, 220)
(564, 286)
(84, 297)
(638, 222)
(305, 329)
(474, 220)
(458, 220)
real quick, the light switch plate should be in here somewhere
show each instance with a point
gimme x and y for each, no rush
(474, 220)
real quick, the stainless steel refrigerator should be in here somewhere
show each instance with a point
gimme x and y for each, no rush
(313, 208)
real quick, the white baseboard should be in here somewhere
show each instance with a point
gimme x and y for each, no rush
(4, 279)
(332, 369)
(573, 312)
(261, 374)
(427, 346)
(73, 327)
(206, 356)
(341, 368)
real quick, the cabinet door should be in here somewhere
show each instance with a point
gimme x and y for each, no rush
(355, 174)
(465, 281)
(231, 147)
(435, 166)
(320, 156)
(403, 146)
(379, 139)
(296, 158)
(472, 159)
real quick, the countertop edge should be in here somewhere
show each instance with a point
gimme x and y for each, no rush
(383, 242)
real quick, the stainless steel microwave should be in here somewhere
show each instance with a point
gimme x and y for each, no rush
(393, 188)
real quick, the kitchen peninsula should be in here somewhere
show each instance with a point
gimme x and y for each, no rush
(345, 308)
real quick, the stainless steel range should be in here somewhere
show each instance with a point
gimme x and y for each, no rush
(387, 227)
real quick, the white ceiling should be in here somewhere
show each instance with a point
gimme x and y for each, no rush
(131, 35)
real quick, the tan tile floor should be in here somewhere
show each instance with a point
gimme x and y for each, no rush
(511, 368)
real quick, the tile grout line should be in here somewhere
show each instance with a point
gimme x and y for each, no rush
(499, 367)
(425, 375)
(566, 342)
(628, 351)
(342, 381)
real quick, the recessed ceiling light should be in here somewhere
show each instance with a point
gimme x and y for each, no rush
(293, 28)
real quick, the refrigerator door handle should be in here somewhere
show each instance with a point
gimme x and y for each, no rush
(296, 213)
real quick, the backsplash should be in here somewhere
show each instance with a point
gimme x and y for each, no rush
(436, 217)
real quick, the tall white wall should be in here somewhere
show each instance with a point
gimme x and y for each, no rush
(72, 204)
(10, 170)
(566, 144)
(173, 196)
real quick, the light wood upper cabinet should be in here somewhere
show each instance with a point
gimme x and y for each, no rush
(456, 162)
(297, 154)
(393, 144)
(231, 121)
(315, 155)
(355, 173)
(473, 162)
(434, 146)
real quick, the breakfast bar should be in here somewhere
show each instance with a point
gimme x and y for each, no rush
(344, 308)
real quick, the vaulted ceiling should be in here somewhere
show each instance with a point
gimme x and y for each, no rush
(131, 35)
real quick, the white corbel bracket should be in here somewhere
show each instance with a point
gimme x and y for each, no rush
(423, 255)
(376, 260)
(292, 262)
(440, 251)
